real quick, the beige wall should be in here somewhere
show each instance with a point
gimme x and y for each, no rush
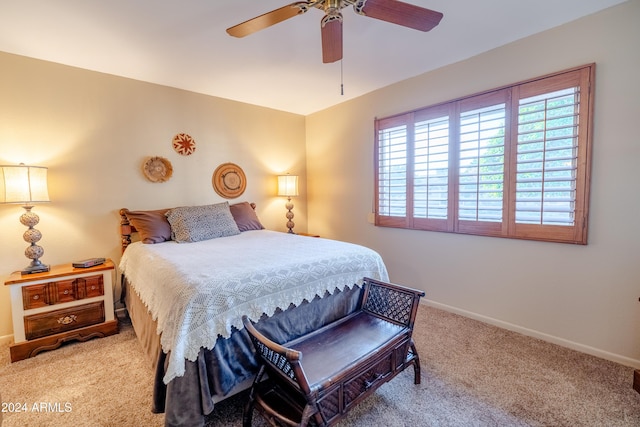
(93, 131)
(585, 297)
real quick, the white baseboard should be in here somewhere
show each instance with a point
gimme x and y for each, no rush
(623, 360)
(6, 339)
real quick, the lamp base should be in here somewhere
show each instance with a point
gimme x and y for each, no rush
(37, 268)
(33, 252)
(290, 223)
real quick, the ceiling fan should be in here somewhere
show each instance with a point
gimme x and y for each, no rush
(397, 12)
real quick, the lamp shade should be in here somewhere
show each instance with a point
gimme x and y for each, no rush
(23, 184)
(288, 185)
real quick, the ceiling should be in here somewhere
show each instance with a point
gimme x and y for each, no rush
(183, 44)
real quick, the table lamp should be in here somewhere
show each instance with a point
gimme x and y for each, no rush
(26, 185)
(288, 186)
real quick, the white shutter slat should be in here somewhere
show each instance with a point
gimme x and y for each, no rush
(547, 156)
(481, 164)
(392, 171)
(431, 168)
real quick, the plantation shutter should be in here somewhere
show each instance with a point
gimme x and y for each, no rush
(392, 172)
(481, 163)
(551, 148)
(511, 162)
(431, 168)
(547, 158)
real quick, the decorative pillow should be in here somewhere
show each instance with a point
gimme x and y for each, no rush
(245, 217)
(196, 223)
(152, 225)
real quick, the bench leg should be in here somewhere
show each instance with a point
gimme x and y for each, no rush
(247, 411)
(416, 363)
(311, 411)
(247, 414)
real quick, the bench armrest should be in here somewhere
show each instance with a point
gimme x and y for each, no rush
(395, 303)
(282, 361)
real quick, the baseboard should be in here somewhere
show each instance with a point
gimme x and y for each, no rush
(6, 339)
(623, 360)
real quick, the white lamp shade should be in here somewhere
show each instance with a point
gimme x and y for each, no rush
(23, 184)
(288, 185)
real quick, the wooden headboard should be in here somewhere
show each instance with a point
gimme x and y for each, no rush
(127, 229)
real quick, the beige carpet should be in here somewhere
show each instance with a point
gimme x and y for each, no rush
(473, 374)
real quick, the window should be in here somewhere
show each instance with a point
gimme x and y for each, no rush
(510, 162)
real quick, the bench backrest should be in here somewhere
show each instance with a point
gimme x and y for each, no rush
(397, 304)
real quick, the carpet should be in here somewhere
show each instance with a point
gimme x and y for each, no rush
(473, 374)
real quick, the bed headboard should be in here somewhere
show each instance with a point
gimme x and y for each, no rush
(127, 229)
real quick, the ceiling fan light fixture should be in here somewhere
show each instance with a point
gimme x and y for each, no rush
(332, 5)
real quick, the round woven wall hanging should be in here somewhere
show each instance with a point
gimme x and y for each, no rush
(184, 144)
(229, 180)
(157, 169)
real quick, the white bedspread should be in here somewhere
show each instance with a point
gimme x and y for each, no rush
(197, 291)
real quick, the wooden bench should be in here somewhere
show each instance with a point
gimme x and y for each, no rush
(319, 377)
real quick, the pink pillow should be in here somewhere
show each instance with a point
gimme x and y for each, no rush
(245, 216)
(153, 226)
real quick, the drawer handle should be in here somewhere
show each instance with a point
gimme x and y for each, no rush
(36, 297)
(66, 320)
(66, 292)
(93, 288)
(368, 384)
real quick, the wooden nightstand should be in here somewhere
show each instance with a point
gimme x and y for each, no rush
(60, 305)
(308, 234)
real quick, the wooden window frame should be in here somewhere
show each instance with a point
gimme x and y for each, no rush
(582, 77)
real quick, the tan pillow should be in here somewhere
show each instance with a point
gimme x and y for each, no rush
(152, 225)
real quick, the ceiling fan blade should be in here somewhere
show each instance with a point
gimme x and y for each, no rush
(397, 12)
(268, 19)
(331, 37)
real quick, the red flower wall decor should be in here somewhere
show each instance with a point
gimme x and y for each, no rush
(184, 144)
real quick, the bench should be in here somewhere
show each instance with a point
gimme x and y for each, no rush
(318, 377)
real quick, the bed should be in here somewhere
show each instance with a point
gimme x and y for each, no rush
(194, 272)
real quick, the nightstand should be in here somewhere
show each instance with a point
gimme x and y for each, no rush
(308, 234)
(60, 305)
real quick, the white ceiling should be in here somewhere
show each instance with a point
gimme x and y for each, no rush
(183, 44)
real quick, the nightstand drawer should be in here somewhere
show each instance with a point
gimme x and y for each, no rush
(65, 290)
(35, 296)
(90, 287)
(53, 322)
(60, 291)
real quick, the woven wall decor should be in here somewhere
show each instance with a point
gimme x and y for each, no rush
(157, 169)
(229, 180)
(184, 144)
